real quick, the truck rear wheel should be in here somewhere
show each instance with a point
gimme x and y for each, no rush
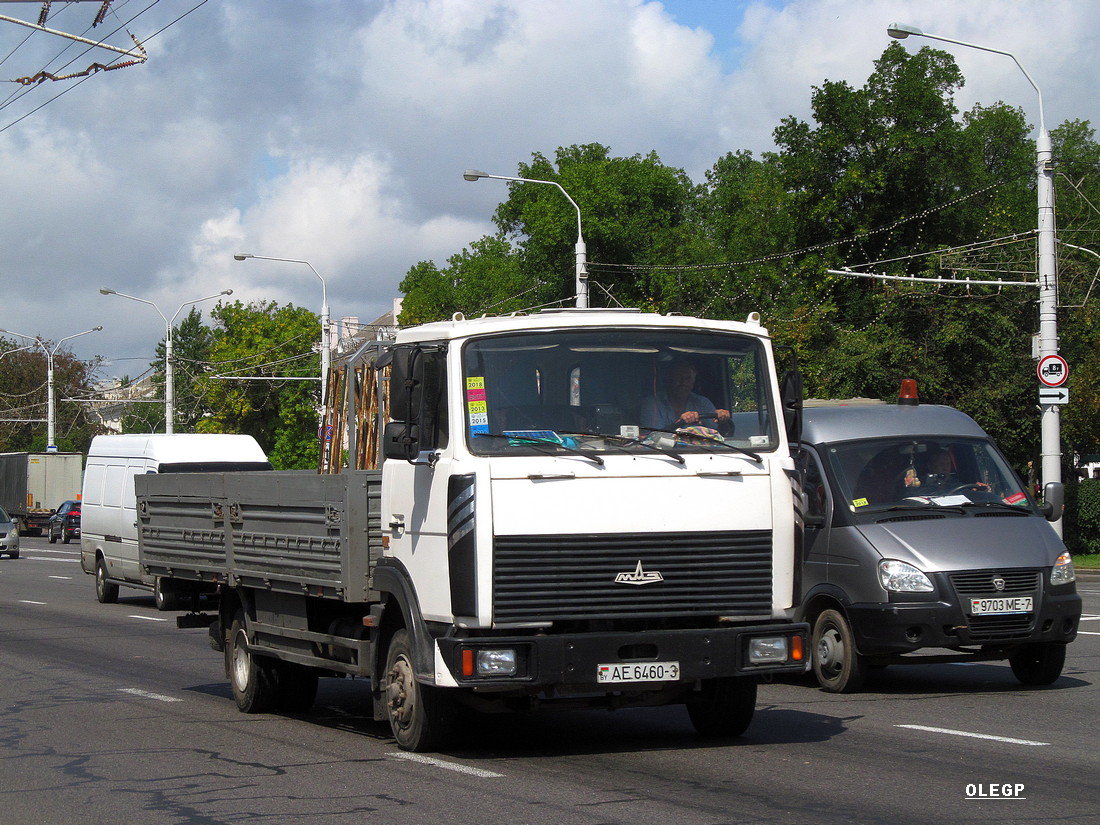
(419, 714)
(1039, 664)
(252, 677)
(164, 597)
(724, 707)
(105, 591)
(837, 664)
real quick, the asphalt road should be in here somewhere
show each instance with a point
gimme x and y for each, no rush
(109, 714)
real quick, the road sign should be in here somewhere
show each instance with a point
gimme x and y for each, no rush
(1053, 370)
(1053, 395)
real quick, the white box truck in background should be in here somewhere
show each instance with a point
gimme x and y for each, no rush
(33, 485)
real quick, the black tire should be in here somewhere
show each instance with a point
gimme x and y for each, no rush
(1039, 664)
(296, 687)
(14, 554)
(723, 707)
(105, 591)
(419, 715)
(164, 599)
(251, 677)
(837, 664)
(65, 537)
(51, 537)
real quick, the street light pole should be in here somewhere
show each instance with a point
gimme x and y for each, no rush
(169, 362)
(1050, 438)
(325, 352)
(51, 405)
(581, 251)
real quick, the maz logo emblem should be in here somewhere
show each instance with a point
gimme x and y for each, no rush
(639, 576)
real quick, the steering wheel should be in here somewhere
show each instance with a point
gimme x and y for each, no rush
(975, 486)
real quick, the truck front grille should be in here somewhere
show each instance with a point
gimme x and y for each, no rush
(613, 576)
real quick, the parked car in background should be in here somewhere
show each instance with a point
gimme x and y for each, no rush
(9, 535)
(64, 524)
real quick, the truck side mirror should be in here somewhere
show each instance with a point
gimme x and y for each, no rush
(401, 441)
(791, 393)
(1054, 499)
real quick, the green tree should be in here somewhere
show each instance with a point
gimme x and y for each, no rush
(24, 402)
(254, 346)
(191, 344)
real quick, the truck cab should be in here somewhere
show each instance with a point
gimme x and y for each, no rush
(922, 544)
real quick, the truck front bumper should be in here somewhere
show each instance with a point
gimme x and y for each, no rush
(578, 659)
(905, 627)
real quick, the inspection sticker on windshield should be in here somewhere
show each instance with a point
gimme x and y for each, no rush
(638, 672)
(1000, 604)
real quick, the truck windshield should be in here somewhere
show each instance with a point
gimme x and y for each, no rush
(641, 391)
(879, 474)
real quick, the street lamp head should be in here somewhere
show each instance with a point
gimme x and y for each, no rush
(240, 256)
(97, 329)
(226, 292)
(900, 31)
(105, 291)
(474, 174)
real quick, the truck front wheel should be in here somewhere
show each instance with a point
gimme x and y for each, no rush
(1039, 664)
(252, 677)
(419, 714)
(723, 707)
(837, 664)
(105, 591)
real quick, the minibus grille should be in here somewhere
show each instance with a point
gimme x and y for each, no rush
(622, 575)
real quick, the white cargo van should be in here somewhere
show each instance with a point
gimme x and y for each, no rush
(108, 543)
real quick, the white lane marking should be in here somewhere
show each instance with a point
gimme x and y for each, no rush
(1087, 633)
(28, 601)
(991, 738)
(146, 618)
(63, 578)
(1090, 618)
(41, 558)
(450, 766)
(144, 694)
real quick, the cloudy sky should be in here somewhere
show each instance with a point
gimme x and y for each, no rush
(336, 131)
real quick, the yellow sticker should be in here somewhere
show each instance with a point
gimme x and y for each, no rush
(860, 502)
(475, 382)
(477, 407)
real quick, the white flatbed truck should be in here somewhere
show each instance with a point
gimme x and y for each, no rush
(510, 532)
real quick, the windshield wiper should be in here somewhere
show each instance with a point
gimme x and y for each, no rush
(537, 443)
(639, 442)
(1001, 505)
(701, 441)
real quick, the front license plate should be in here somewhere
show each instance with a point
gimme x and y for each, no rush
(638, 672)
(1000, 604)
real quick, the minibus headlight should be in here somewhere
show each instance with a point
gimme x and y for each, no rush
(1063, 573)
(902, 577)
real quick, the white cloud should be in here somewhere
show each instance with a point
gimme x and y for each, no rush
(337, 132)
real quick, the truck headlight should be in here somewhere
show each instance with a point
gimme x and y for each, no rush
(902, 577)
(1062, 573)
(768, 650)
(489, 662)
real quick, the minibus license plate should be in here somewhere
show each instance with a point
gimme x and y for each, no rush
(638, 672)
(1000, 604)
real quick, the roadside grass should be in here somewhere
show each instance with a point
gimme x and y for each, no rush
(1087, 561)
